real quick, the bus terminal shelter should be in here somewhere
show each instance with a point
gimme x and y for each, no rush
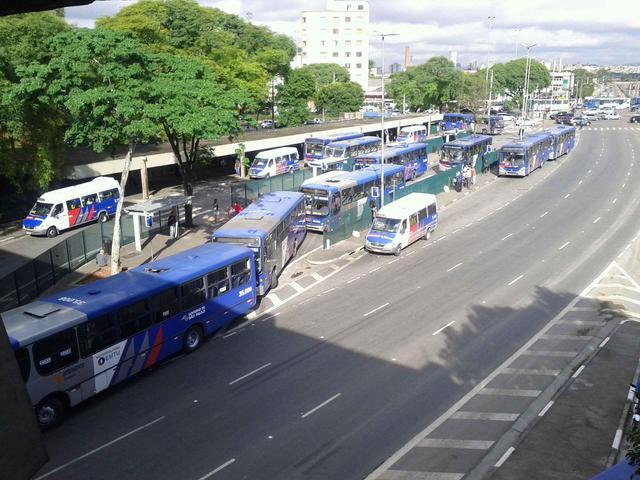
(159, 212)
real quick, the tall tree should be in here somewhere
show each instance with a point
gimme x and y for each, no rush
(102, 79)
(509, 78)
(190, 104)
(340, 97)
(31, 132)
(582, 83)
(435, 82)
(326, 73)
(293, 97)
(474, 92)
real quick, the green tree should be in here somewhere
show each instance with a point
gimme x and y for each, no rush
(582, 83)
(102, 80)
(509, 78)
(326, 73)
(474, 93)
(190, 104)
(435, 82)
(340, 97)
(31, 132)
(293, 97)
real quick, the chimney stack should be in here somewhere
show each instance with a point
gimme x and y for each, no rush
(407, 57)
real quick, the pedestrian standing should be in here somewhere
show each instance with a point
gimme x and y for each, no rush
(237, 167)
(473, 175)
(173, 227)
(374, 210)
(216, 209)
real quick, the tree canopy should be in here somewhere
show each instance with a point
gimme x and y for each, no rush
(509, 78)
(583, 82)
(294, 95)
(340, 97)
(325, 73)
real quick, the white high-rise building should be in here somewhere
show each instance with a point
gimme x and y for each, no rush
(339, 35)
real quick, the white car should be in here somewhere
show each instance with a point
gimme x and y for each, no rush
(506, 117)
(526, 122)
(611, 116)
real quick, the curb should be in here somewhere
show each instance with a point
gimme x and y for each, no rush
(346, 254)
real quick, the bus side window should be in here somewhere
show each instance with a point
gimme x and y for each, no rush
(133, 318)
(165, 304)
(96, 335)
(192, 293)
(57, 210)
(218, 282)
(109, 194)
(413, 220)
(73, 204)
(240, 273)
(432, 209)
(55, 352)
(423, 213)
(90, 199)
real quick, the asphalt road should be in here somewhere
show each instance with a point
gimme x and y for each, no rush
(334, 383)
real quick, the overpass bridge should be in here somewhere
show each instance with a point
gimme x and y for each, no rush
(84, 163)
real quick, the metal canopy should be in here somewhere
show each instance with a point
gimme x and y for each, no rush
(158, 205)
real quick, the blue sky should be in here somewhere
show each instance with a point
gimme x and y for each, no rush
(577, 31)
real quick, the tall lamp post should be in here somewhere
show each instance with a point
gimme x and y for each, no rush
(486, 79)
(525, 93)
(382, 36)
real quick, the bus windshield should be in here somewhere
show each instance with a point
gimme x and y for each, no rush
(316, 201)
(314, 147)
(386, 224)
(334, 152)
(514, 159)
(41, 209)
(452, 156)
(252, 242)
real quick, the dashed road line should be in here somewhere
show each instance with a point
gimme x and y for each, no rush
(564, 245)
(544, 214)
(305, 415)
(376, 309)
(518, 278)
(506, 236)
(441, 329)
(454, 267)
(239, 379)
(221, 467)
(504, 457)
(578, 372)
(545, 409)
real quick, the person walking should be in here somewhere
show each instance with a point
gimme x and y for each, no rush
(216, 209)
(374, 210)
(237, 167)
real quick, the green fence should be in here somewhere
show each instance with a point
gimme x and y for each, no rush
(33, 278)
(248, 191)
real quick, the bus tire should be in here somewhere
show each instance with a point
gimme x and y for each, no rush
(192, 339)
(52, 232)
(51, 411)
(103, 217)
(484, 131)
(427, 234)
(413, 175)
(274, 280)
(397, 250)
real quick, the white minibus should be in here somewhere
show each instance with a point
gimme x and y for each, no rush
(402, 222)
(274, 162)
(67, 207)
(412, 134)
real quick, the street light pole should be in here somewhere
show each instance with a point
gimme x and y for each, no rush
(486, 77)
(382, 36)
(525, 93)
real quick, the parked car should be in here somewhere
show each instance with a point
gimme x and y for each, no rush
(313, 121)
(266, 124)
(611, 116)
(635, 119)
(527, 122)
(590, 115)
(580, 121)
(507, 117)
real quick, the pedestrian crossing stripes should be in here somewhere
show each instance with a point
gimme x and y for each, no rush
(602, 129)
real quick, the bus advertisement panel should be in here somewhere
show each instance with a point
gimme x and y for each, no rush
(328, 194)
(273, 228)
(314, 146)
(75, 344)
(522, 157)
(412, 157)
(464, 151)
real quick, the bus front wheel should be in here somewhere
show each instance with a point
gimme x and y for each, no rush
(192, 339)
(397, 250)
(427, 234)
(52, 232)
(50, 412)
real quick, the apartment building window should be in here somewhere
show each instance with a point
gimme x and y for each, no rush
(335, 43)
(347, 65)
(347, 19)
(360, 7)
(358, 54)
(322, 42)
(335, 54)
(304, 19)
(358, 65)
(336, 31)
(359, 31)
(347, 54)
(347, 43)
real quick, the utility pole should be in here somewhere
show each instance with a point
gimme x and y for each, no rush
(273, 106)
(525, 93)
(486, 77)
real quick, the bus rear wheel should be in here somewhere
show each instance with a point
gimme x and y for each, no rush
(50, 412)
(192, 339)
(52, 232)
(427, 234)
(103, 217)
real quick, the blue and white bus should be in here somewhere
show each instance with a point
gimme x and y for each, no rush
(329, 194)
(340, 155)
(314, 146)
(564, 139)
(457, 122)
(490, 125)
(464, 151)
(522, 157)
(273, 227)
(413, 157)
(75, 344)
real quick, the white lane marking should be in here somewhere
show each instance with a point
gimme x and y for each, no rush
(96, 450)
(507, 236)
(317, 277)
(564, 245)
(297, 287)
(353, 280)
(510, 392)
(589, 171)
(624, 185)
(544, 410)
(441, 329)
(468, 225)
(454, 267)
(303, 256)
(213, 472)
(614, 200)
(376, 309)
(596, 220)
(275, 299)
(515, 280)
(304, 415)
(550, 353)
(250, 373)
(504, 457)
(531, 371)
(578, 372)
(230, 334)
(452, 443)
(544, 214)
(375, 269)
(330, 290)
(604, 342)
(498, 417)
(567, 195)
(394, 261)
(580, 182)
(616, 440)
(410, 253)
